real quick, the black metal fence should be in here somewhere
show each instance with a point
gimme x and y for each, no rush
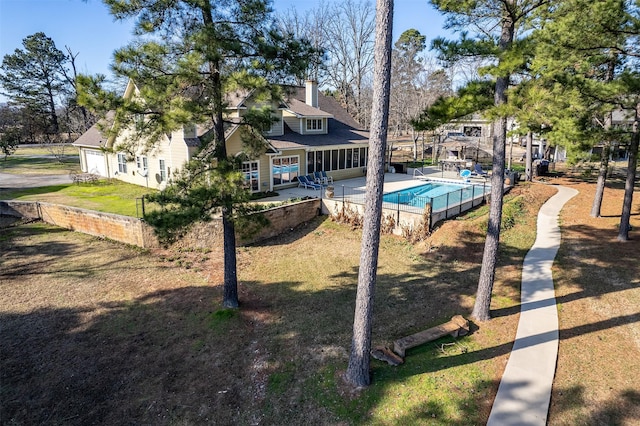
(443, 206)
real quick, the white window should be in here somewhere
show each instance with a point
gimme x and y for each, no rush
(142, 163)
(163, 170)
(122, 163)
(314, 124)
(250, 170)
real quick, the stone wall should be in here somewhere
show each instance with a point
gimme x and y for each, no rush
(281, 219)
(125, 229)
(286, 217)
(135, 231)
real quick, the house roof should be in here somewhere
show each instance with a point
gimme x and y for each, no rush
(342, 128)
(328, 104)
(237, 98)
(94, 138)
(301, 109)
(339, 134)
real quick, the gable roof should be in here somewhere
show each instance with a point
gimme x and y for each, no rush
(343, 129)
(94, 138)
(301, 109)
(328, 104)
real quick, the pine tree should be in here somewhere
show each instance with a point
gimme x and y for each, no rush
(188, 55)
(32, 78)
(495, 26)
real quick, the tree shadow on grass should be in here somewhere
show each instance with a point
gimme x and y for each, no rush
(40, 255)
(172, 357)
(15, 193)
(622, 407)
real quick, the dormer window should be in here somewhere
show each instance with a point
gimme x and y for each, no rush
(314, 124)
(269, 129)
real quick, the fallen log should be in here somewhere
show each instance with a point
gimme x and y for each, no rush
(458, 326)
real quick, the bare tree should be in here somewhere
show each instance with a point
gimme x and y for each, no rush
(342, 34)
(358, 370)
(308, 26)
(77, 119)
(407, 89)
(349, 26)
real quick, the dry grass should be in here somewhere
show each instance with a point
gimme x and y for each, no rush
(598, 291)
(94, 332)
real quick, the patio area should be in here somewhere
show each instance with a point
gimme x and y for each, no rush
(392, 182)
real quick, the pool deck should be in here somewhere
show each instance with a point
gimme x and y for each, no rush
(392, 182)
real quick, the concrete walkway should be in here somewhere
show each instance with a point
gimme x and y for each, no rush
(525, 389)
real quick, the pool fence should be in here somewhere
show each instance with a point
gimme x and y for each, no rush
(409, 211)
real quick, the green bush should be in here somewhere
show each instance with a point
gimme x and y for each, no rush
(511, 211)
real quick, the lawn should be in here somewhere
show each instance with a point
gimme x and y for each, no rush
(598, 292)
(39, 160)
(110, 196)
(96, 332)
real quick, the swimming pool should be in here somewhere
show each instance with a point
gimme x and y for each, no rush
(441, 195)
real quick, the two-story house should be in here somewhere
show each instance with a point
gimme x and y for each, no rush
(311, 132)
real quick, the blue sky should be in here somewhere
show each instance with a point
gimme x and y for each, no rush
(88, 29)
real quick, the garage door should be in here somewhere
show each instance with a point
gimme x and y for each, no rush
(95, 163)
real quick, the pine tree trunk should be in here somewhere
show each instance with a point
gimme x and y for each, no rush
(230, 292)
(602, 179)
(482, 306)
(358, 369)
(625, 217)
(529, 158)
(606, 150)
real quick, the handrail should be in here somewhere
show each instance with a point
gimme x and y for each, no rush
(417, 171)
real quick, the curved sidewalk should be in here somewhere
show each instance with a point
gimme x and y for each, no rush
(525, 389)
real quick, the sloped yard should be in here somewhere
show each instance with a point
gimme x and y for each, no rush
(95, 332)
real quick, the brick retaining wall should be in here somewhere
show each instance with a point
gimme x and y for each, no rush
(135, 231)
(281, 219)
(125, 229)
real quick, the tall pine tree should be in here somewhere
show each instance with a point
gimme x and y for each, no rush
(358, 369)
(497, 30)
(188, 55)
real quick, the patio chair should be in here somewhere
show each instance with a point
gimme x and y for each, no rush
(477, 170)
(465, 174)
(319, 178)
(312, 182)
(303, 181)
(327, 178)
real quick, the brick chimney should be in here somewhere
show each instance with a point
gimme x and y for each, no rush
(311, 97)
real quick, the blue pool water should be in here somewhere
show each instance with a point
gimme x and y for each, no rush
(439, 194)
